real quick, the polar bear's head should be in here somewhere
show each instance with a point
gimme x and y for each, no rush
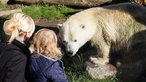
(75, 32)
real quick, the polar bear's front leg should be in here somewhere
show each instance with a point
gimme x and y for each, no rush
(103, 56)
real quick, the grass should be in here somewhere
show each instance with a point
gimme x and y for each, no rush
(45, 11)
(77, 73)
(3, 6)
(53, 12)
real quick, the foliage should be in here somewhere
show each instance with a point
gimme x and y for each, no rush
(45, 11)
(2, 6)
(33, 10)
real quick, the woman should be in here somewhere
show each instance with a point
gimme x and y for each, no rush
(46, 65)
(14, 57)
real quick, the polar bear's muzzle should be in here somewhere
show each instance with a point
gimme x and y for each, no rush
(71, 48)
(70, 53)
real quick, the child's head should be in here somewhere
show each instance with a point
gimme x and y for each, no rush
(45, 42)
(18, 25)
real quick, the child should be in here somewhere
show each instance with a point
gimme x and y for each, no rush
(46, 65)
(13, 59)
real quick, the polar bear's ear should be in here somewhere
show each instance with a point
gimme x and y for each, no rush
(82, 26)
(59, 26)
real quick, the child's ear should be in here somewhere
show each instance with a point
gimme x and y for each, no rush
(59, 26)
(27, 35)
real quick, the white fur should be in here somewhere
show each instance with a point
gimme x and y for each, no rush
(102, 26)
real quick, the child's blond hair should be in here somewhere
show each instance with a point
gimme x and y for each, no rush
(17, 25)
(45, 42)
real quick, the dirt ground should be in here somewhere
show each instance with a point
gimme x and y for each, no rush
(46, 23)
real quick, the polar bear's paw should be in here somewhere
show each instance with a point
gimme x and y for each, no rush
(98, 61)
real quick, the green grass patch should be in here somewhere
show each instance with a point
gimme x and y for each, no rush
(46, 11)
(2, 6)
(52, 12)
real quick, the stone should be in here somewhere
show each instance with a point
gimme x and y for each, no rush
(100, 72)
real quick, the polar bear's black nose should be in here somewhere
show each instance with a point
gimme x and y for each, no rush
(70, 53)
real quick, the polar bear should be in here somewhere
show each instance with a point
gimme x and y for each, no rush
(108, 28)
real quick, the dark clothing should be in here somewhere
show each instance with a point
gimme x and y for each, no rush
(45, 69)
(2, 46)
(13, 62)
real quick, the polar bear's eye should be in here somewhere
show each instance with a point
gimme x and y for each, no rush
(82, 26)
(64, 41)
(75, 40)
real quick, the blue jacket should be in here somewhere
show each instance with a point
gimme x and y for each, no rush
(45, 69)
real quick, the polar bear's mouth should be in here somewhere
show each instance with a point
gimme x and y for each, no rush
(70, 53)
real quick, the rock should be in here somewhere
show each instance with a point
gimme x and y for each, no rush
(78, 3)
(100, 72)
(4, 1)
(8, 12)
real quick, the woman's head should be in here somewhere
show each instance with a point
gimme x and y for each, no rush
(19, 25)
(45, 42)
